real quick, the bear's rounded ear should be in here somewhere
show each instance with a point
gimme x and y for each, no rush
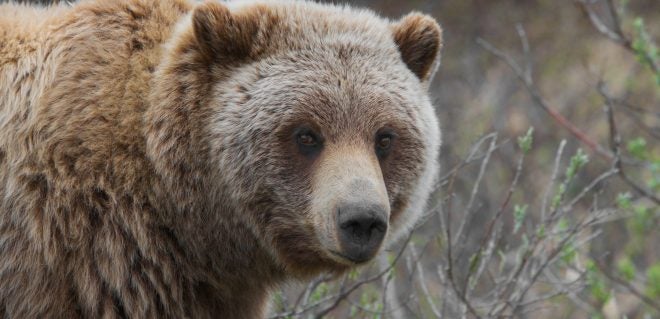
(221, 35)
(419, 38)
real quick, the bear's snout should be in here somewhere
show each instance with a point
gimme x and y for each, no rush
(361, 228)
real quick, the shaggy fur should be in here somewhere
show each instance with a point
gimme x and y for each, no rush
(148, 165)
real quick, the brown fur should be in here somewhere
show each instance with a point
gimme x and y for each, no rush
(146, 168)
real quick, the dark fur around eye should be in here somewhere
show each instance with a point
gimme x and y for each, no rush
(384, 142)
(309, 142)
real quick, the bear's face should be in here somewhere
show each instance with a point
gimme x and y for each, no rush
(319, 125)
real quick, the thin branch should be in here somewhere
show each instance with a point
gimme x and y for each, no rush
(615, 33)
(538, 100)
(615, 145)
(488, 241)
(475, 188)
(472, 157)
(590, 187)
(553, 179)
(304, 297)
(422, 283)
(611, 7)
(600, 25)
(552, 256)
(345, 293)
(528, 71)
(621, 282)
(450, 262)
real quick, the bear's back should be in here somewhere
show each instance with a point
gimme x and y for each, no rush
(74, 81)
(74, 176)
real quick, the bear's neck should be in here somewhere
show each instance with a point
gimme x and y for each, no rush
(229, 266)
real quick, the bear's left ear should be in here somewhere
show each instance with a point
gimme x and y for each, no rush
(419, 38)
(222, 34)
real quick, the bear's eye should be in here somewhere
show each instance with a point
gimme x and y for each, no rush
(306, 139)
(309, 143)
(384, 142)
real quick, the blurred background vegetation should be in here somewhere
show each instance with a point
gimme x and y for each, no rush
(583, 242)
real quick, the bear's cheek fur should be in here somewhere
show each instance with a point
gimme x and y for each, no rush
(401, 171)
(288, 225)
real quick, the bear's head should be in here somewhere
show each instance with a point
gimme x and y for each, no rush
(309, 123)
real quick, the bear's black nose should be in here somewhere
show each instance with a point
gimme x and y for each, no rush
(362, 228)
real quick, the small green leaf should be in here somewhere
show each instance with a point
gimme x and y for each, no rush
(590, 266)
(655, 166)
(638, 23)
(540, 232)
(320, 291)
(556, 200)
(597, 286)
(390, 258)
(562, 224)
(577, 161)
(626, 268)
(353, 311)
(640, 222)
(568, 253)
(653, 281)
(645, 50)
(525, 141)
(623, 200)
(519, 213)
(637, 147)
(474, 262)
(353, 275)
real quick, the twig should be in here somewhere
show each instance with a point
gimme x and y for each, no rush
(650, 302)
(600, 26)
(472, 157)
(616, 33)
(553, 179)
(475, 187)
(590, 187)
(304, 297)
(488, 241)
(345, 293)
(422, 283)
(570, 235)
(450, 261)
(526, 52)
(615, 145)
(541, 102)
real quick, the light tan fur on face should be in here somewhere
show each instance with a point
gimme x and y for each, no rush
(344, 173)
(147, 168)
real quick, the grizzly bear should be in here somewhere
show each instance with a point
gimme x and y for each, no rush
(175, 159)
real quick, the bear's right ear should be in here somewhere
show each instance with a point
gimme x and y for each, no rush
(419, 38)
(223, 35)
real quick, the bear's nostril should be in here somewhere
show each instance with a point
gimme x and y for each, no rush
(361, 230)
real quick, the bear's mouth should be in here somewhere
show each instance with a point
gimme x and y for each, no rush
(346, 259)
